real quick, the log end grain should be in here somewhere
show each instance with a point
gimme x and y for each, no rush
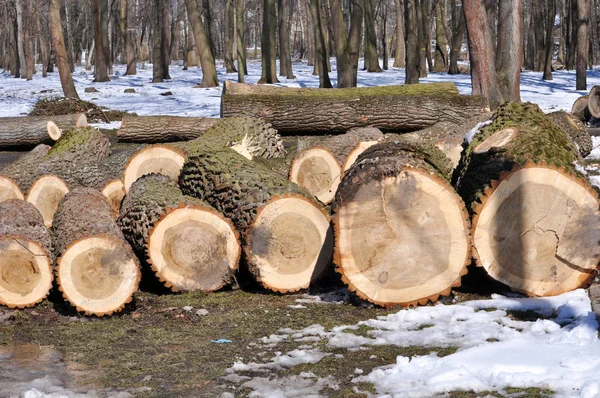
(9, 189)
(45, 194)
(317, 170)
(159, 159)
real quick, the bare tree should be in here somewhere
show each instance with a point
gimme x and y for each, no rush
(229, 35)
(413, 49)
(241, 45)
(66, 79)
(100, 65)
(583, 16)
(268, 44)
(285, 57)
(441, 40)
(127, 53)
(400, 53)
(347, 43)
(551, 17)
(209, 70)
(20, 45)
(458, 31)
(371, 57)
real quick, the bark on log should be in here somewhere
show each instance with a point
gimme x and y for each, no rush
(402, 233)
(26, 273)
(286, 237)
(536, 222)
(155, 129)
(575, 129)
(188, 244)
(97, 270)
(594, 102)
(390, 108)
(319, 168)
(581, 110)
(29, 131)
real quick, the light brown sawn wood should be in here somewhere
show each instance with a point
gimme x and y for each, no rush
(9, 189)
(317, 170)
(45, 194)
(159, 159)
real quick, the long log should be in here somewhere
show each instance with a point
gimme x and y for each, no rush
(285, 233)
(29, 131)
(402, 233)
(97, 270)
(575, 129)
(25, 255)
(156, 129)
(594, 102)
(536, 221)
(318, 168)
(189, 245)
(391, 108)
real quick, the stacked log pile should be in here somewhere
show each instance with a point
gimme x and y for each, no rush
(410, 211)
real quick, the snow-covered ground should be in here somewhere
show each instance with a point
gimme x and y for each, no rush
(559, 352)
(17, 96)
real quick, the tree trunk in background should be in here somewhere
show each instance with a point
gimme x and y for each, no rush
(241, 44)
(285, 56)
(346, 45)
(549, 39)
(561, 58)
(104, 17)
(42, 37)
(20, 45)
(157, 62)
(208, 23)
(483, 72)
(571, 33)
(538, 21)
(413, 58)
(491, 7)
(441, 46)
(400, 53)
(320, 44)
(384, 44)
(458, 32)
(530, 56)
(268, 47)
(229, 36)
(66, 79)
(422, 37)
(427, 17)
(583, 16)
(28, 42)
(164, 42)
(209, 70)
(127, 52)
(509, 53)
(371, 57)
(100, 69)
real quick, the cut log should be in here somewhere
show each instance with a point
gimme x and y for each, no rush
(536, 222)
(45, 194)
(402, 233)
(158, 159)
(9, 189)
(575, 129)
(29, 131)
(97, 270)
(25, 255)
(445, 136)
(189, 245)
(286, 237)
(581, 110)
(76, 147)
(594, 102)
(155, 129)
(318, 168)
(391, 108)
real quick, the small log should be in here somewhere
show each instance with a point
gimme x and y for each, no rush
(97, 270)
(594, 102)
(536, 222)
(29, 131)
(9, 189)
(318, 168)
(581, 110)
(189, 245)
(402, 233)
(285, 233)
(26, 273)
(575, 129)
(45, 194)
(311, 110)
(156, 129)
(158, 159)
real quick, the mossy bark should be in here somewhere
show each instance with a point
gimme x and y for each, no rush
(537, 140)
(575, 129)
(249, 134)
(148, 199)
(391, 109)
(21, 218)
(154, 129)
(82, 213)
(76, 147)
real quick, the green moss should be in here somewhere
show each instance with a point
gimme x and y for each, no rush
(72, 139)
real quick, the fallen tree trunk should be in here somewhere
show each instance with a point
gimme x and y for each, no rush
(285, 233)
(155, 129)
(189, 245)
(318, 168)
(594, 102)
(391, 108)
(536, 222)
(581, 110)
(575, 129)
(97, 270)
(25, 255)
(29, 131)
(402, 233)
